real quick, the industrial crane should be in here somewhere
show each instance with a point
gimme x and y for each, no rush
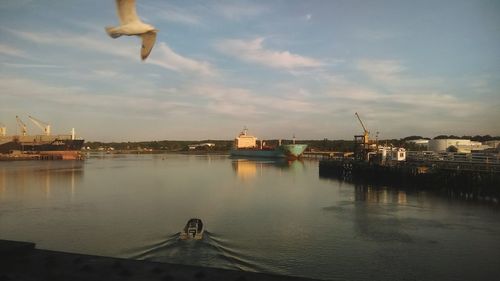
(366, 133)
(3, 130)
(21, 125)
(42, 125)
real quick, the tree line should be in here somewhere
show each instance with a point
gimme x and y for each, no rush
(226, 145)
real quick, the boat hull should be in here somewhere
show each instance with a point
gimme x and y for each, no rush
(289, 151)
(293, 151)
(61, 146)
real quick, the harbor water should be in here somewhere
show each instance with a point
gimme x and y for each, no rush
(260, 215)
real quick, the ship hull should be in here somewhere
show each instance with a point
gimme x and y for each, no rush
(53, 147)
(293, 151)
(275, 153)
(289, 151)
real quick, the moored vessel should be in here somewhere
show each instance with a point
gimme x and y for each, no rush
(47, 146)
(245, 145)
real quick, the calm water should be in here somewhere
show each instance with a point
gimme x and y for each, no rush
(260, 216)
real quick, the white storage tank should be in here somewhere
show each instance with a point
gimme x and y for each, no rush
(440, 145)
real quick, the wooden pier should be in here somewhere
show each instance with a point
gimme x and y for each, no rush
(477, 178)
(326, 154)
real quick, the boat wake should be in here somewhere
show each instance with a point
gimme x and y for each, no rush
(211, 250)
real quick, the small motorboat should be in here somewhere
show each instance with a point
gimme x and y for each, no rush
(193, 230)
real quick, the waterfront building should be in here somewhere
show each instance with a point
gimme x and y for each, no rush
(206, 144)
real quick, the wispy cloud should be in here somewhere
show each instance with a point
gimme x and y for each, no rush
(387, 71)
(170, 13)
(22, 88)
(253, 51)
(175, 15)
(242, 103)
(27, 65)
(167, 58)
(105, 73)
(11, 51)
(86, 42)
(410, 102)
(162, 54)
(239, 10)
(374, 35)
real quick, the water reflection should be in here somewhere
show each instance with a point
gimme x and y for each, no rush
(376, 214)
(248, 169)
(21, 178)
(285, 220)
(377, 191)
(384, 195)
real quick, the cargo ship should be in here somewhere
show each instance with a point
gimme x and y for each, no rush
(245, 145)
(47, 146)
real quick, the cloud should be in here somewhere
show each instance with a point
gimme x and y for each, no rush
(162, 54)
(401, 106)
(56, 95)
(308, 17)
(175, 15)
(235, 11)
(387, 71)
(170, 13)
(86, 42)
(167, 58)
(27, 65)
(374, 35)
(244, 103)
(253, 51)
(11, 51)
(106, 73)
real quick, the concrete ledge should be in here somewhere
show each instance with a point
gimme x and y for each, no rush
(8, 248)
(22, 261)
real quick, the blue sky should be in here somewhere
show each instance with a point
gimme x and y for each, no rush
(278, 67)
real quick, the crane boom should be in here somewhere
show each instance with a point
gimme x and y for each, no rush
(361, 122)
(22, 126)
(3, 130)
(366, 133)
(42, 125)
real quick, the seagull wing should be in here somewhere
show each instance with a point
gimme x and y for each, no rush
(126, 11)
(148, 41)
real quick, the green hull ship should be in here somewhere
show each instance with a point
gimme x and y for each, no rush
(246, 146)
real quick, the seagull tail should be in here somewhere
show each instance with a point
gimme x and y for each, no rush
(112, 32)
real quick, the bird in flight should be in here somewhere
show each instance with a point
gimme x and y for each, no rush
(131, 24)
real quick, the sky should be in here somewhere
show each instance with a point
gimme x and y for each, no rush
(278, 67)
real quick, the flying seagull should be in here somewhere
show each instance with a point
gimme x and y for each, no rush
(130, 24)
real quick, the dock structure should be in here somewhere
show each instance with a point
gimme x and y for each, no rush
(326, 154)
(479, 178)
(477, 173)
